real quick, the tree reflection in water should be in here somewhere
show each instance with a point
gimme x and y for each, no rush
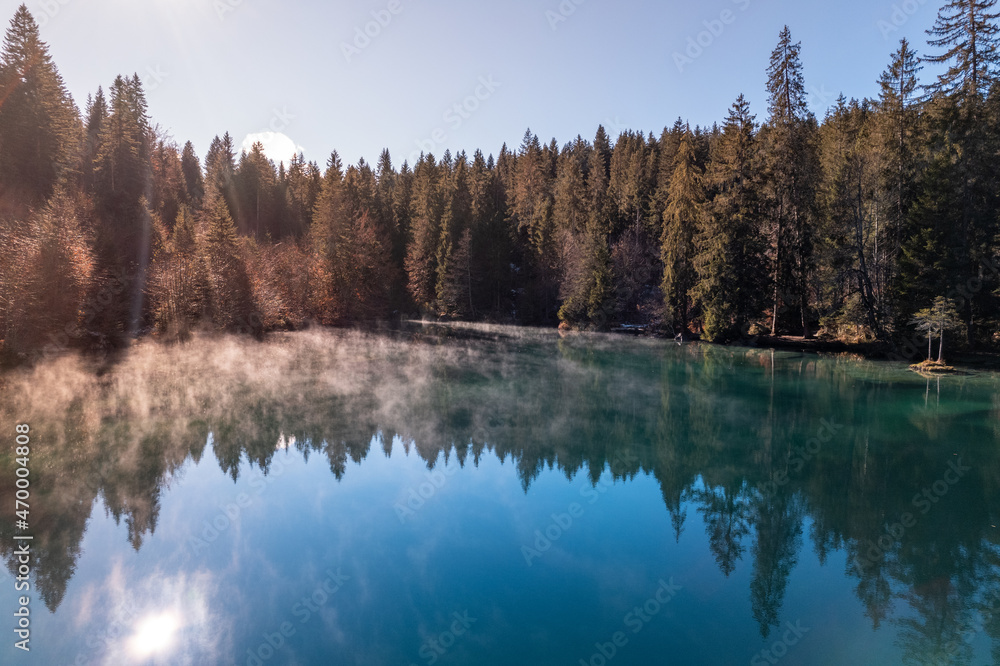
(714, 426)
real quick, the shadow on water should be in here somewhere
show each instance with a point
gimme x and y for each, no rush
(773, 450)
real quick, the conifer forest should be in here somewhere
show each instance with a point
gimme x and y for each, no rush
(771, 222)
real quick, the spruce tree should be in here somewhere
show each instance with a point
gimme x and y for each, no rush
(854, 233)
(532, 212)
(898, 127)
(194, 180)
(230, 291)
(426, 210)
(789, 147)
(685, 202)
(730, 261)
(968, 33)
(453, 287)
(255, 184)
(40, 129)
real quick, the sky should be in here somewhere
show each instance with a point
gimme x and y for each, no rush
(412, 75)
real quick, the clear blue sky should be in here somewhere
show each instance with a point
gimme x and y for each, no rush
(249, 66)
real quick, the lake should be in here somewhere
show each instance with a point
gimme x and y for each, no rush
(489, 495)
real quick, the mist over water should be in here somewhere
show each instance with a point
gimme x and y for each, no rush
(191, 496)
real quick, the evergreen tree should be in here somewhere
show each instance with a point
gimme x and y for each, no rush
(454, 280)
(968, 32)
(853, 233)
(571, 217)
(789, 148)
(96, 117)
(532, 211)
(220, 171)
(230, 292)
(491, 241)
(40, 129)
(730, 261)
(255, 184)
(425, 214)
(897, 119)
(685, 202)
(194, 180)
(48, 271)
(169, 189)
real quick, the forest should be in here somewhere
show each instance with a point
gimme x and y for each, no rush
(772, 223)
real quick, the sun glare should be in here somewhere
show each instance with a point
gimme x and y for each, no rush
(278, 147)
(154, 636)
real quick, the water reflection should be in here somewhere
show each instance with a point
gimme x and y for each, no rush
(775, 452)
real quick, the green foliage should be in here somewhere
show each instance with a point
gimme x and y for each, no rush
(940, 317)
(730, 262)
(40, 130)
(683, 215)
(854, 223)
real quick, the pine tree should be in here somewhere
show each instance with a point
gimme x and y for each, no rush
(853, 233)
(453, 288)
(968, 32)
(329, 225)
(230, 292)
(631, 184)
(491, 241)
(179, 287)
(194, 180)
(681, 218)
(220, 171)
(730, 261)
(940, 317)
(532, 212)
(95, 118)
(425, 214)
(49, 269)
(169, 189)
(40, 130)
(255, 183)
(898, 119)
(571, 216)
(789, 148)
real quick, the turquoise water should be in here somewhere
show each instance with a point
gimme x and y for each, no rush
(498, 496)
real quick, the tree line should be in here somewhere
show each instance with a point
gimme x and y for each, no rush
(846, 226)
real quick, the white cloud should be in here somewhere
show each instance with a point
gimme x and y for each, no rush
(277, 146)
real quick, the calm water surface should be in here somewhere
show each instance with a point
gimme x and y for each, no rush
(503, 497)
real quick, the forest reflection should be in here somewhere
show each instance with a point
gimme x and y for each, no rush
(775, 452)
